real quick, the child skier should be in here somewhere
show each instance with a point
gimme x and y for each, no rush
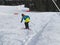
(27, 20)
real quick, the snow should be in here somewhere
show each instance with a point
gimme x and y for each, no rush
(45, 28)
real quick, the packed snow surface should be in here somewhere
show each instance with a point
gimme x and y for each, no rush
(45, 28)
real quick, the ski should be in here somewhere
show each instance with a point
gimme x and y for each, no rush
(25, 29)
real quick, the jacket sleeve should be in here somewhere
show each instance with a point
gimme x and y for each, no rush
(22, 19)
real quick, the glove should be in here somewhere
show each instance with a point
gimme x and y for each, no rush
(21, 21)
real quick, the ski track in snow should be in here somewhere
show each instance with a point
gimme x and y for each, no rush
(34, 38)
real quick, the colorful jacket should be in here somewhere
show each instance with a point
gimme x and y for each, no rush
(26, 18)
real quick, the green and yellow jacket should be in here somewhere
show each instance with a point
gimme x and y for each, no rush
(26, 18)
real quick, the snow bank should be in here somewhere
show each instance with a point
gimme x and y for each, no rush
(10, 9)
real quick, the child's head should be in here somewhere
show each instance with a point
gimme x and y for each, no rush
(23, 14)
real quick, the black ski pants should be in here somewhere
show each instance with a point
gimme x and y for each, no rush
(27, 25)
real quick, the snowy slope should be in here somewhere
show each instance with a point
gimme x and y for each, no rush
(45, 28)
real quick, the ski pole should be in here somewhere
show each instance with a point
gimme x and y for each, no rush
(32, 23)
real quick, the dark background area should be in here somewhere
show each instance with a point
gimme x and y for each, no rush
(34, 5)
